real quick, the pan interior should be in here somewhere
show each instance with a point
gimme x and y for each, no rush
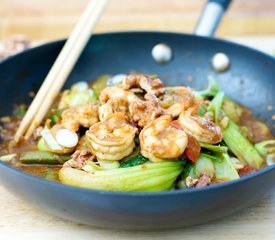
(250, 79)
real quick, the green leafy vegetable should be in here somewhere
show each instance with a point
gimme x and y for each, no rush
(225, 169)
(214, 148)
(147, 177)
(241, 147)
(216, 105)
(42, 146)
(56, 115)
(138, 160)
(232, 109)
(265, 147)
(218, 167)
(109, 164)
(188, 168)
(72, 98)
(136, 140)
(214, 158)
(202, 110)
(212, 89)
(203, 165)
(100, 83)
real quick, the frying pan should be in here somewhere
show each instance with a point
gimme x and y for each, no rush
(250, 81)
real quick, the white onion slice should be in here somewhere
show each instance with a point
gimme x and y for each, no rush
(49, 139)
(67, 138)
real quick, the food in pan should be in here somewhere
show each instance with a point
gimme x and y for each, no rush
(139, 135)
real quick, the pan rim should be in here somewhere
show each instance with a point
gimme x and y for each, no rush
(220, 40)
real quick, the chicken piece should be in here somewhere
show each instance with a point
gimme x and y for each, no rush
(111, 139)
(143, 112)
(116, 92)
(162, 141)
(191, 182)
(154, 86)
(79, 159)
(203, 181)
(74, 117)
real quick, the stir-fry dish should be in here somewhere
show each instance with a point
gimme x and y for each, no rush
(133, 133)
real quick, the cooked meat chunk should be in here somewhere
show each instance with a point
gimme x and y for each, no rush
(79, 159)
(203, 181)
(154, 86)
(143, 112)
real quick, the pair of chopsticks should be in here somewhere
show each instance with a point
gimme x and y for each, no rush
(61, 69)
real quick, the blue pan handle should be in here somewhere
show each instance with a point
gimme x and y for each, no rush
(211, 17)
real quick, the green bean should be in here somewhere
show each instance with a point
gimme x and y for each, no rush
(40, 157)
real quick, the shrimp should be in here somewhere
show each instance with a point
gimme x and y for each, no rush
(112, 139)
(176, 100)
(202, 128)
(149, 85)
(113, 105)
(162, 141)
(116, 92)
(74, 117)
(143, 112)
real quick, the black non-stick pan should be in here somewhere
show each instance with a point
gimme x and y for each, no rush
(250, 81)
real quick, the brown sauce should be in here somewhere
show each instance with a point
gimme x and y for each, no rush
(48, 172)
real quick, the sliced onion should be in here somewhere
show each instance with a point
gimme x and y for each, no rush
(50, 140)
(66, 138)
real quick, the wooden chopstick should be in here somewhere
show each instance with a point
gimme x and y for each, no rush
(61, 69)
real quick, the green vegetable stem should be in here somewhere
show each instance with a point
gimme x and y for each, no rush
(146, 177)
